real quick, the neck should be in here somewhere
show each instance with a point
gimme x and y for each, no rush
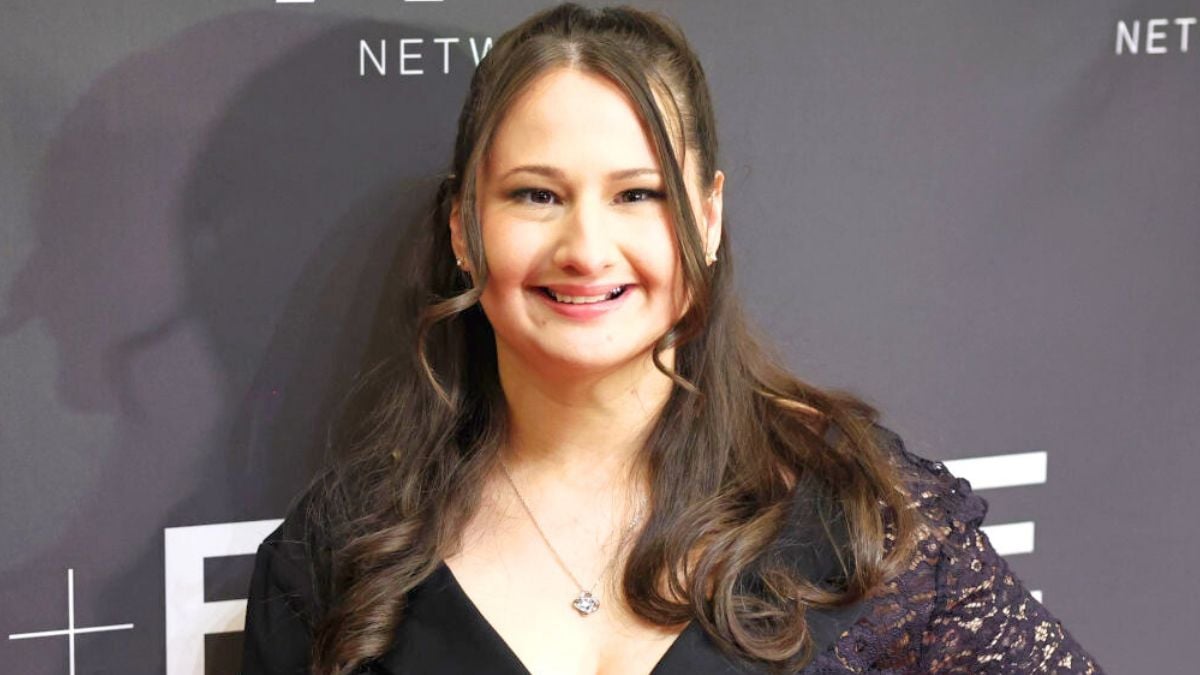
(580, 430)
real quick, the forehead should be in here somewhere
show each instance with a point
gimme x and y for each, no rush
(573, 119)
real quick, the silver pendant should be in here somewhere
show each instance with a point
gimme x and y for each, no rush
(586, 604)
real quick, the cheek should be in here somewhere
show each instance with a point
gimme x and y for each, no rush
(664, 268)
(512, 252)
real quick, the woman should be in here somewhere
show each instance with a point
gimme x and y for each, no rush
(599, 469)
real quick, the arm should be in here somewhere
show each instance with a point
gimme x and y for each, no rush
(983, 619)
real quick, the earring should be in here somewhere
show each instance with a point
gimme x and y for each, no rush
(458, 261)
(710, 258)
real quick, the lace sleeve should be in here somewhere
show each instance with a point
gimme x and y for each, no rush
(957, 607)
(983, 620)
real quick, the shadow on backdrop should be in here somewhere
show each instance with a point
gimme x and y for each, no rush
(216, 223)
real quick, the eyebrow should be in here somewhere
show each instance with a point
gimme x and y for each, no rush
(553, 172)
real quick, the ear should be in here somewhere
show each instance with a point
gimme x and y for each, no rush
(457, 240)
(713, 205)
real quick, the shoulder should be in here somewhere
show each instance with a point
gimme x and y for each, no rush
(283, 603)
(942, 498)
(302, 529)
(292, 561)
(937, 497)
(819, 542)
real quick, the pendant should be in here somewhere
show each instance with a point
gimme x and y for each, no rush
(586, 604)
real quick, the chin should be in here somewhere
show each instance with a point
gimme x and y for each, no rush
(582, 362)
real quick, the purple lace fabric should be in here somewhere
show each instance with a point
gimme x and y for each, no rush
(958, 608)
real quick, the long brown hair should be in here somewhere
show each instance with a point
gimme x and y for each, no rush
(723, 457)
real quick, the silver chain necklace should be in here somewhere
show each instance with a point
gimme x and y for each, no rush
(586, 602)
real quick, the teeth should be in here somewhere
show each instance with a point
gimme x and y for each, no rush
(585, 299)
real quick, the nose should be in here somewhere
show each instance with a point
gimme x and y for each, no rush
(585, 245)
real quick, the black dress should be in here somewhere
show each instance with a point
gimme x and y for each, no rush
(956, 609)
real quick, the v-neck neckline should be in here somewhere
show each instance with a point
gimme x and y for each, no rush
(498, 640)
(804, 541)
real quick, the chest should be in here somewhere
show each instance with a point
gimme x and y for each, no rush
(526, 600)
(519, 580)
(502, 605)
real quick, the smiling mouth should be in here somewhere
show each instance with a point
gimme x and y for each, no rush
(583, 300)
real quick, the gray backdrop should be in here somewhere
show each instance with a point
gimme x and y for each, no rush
(980, 217)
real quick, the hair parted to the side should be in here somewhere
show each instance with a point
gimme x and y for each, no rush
(736, 435)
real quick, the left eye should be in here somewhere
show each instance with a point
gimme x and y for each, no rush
(534, 196)
(641, 195)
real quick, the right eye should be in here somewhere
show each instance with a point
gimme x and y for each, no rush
(536, 196)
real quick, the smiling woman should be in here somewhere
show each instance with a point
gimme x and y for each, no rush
(599, 468)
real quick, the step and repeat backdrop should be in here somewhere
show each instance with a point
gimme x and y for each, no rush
(982, 217)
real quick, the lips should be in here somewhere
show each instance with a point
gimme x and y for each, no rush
(584, 302)
(577, 298)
